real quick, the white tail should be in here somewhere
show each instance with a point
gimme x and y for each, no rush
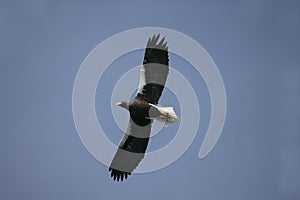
(167, 115)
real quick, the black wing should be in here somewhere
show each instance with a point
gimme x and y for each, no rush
(154, 70)
(131, 150)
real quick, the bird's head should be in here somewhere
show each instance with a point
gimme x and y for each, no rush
(123, 104)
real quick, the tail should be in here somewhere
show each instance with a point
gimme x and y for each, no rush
(167, 115)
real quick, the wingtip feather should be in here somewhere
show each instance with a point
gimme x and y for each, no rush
(154, 42)
(118, 175)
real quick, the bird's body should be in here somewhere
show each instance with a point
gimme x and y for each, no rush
(143, 109)
(139, 108)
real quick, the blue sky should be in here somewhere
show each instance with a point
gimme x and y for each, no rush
(255, 45)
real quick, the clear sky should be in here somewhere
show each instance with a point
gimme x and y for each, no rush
(255, 45)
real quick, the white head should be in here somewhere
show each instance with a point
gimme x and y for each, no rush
(123, 104)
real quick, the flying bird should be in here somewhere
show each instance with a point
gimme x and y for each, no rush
(143, 109)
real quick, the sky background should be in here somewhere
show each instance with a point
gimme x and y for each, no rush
(255, 45)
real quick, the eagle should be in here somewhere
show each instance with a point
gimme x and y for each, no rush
(144, 109)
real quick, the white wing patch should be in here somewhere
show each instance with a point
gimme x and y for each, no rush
(142, 81)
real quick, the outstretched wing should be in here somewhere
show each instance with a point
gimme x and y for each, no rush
(154, 70)
(131, 149)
